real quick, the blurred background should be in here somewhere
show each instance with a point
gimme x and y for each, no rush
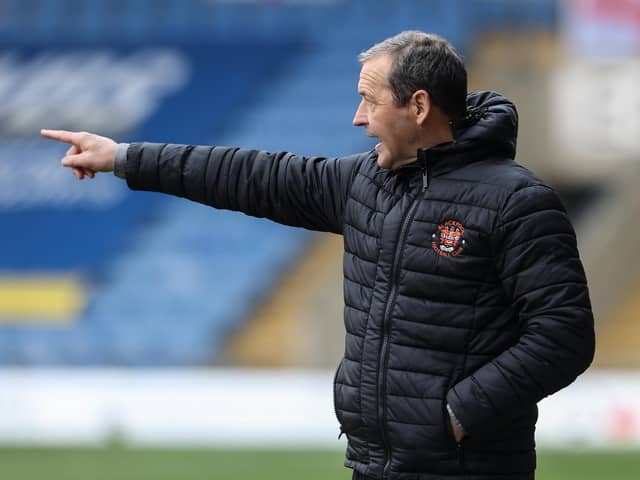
(143, 336)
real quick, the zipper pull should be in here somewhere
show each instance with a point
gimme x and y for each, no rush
(423, 159)
(341, 432)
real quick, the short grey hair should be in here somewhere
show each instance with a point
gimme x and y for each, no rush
(424, 61)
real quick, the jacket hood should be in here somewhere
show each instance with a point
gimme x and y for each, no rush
(491, 124)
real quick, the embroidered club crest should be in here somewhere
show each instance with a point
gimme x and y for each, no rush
(448, 241)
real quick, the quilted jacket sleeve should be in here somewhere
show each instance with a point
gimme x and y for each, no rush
(541, 272)
(293, 190)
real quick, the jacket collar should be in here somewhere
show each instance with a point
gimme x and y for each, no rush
(489, 128)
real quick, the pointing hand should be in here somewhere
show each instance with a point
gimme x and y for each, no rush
(88, 154)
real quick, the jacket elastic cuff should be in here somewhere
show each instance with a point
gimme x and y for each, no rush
(120, 161)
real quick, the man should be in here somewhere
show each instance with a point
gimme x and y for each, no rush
(465, 299)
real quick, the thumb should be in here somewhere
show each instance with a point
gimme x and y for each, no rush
(73, 149)
(80, 160)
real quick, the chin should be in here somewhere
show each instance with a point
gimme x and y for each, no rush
(385, 162)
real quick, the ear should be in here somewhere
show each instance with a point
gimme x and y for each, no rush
(421, 103)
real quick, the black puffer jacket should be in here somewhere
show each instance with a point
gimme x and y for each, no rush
(462, 285)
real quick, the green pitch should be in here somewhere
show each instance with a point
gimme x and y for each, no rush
(142, 464)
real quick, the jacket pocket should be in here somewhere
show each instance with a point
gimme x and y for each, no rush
(336, 410)
(451, 439)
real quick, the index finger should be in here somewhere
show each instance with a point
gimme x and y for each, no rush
(61, 135)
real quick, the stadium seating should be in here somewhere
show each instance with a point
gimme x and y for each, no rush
(190, 275)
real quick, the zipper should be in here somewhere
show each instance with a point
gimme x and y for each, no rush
(425, 178)
(384, 350)
(423, 160)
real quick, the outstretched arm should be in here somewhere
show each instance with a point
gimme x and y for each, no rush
(284, 187)
(287, 188)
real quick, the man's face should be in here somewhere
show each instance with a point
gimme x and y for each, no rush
(394, 126)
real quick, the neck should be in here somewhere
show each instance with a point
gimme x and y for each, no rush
(433, 135)
(437, 133)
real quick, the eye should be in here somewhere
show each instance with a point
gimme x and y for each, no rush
(366, 98)
(369, 101)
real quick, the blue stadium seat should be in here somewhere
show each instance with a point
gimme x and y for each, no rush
(190, 275)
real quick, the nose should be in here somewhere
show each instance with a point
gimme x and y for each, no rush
(360, 118)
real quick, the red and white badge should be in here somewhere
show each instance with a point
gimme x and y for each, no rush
(448, 241)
